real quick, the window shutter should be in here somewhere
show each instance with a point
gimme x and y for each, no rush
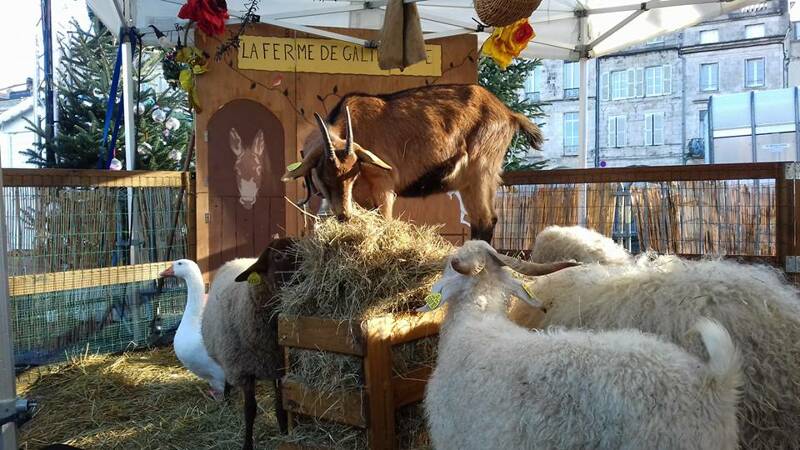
(605, 88)
(639, 83)
(610, 132)
(622, 138)
(658, 129)
(648, 129)
(631, 82)
(667, 79)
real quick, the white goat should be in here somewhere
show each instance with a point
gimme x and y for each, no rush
(497, 385)
(556, 243)
(666, 295)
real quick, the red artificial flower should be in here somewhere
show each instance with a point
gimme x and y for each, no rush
(523, 33)
(210, 15)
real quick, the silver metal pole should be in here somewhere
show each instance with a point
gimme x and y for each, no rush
(583, 132)
(130, 164)
(8, 394)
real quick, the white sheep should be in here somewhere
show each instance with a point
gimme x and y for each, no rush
(497, 385)
(666, 295)
(557, 243)
(240, 326)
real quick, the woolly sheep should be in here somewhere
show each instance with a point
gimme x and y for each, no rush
(666, 295)
(240, 327)
(556, 243)
(497, 385)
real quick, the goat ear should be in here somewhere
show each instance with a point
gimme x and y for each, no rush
(366, 156)
(523, 292)
(295, 171)
(235, 141)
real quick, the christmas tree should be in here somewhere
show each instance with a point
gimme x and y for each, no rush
(507, 85)
(83, 81)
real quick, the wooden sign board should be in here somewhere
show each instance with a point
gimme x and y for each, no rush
(238, 208)
(325, 56)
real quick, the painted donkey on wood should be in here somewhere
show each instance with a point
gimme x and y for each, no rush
(421, 141)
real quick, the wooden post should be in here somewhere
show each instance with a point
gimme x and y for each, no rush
(378, 374)
(190, 213)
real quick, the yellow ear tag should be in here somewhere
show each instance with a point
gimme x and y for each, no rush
(294, 166)
(433, 300)
(254, 279)
(528, 290)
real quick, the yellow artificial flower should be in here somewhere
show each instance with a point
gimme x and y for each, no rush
(506, 43)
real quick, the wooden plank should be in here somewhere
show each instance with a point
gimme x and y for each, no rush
(410, 388)
(81, 279)
(321, 334)
(92, 177)
(378, 380)
(410, 327)
(345, 407)
(746, 171)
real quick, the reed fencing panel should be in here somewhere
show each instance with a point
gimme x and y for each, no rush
(84, 250)
(735, 210)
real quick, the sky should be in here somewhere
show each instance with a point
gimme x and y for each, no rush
(19, 28)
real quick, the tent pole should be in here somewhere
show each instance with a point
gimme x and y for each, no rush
(130, 164)
(583, 131)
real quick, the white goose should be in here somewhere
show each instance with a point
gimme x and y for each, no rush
(188, 343)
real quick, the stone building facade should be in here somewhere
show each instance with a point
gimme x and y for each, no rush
(653, 98)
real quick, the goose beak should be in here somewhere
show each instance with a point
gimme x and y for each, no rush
(168, 272)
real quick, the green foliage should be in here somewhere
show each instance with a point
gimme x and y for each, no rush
(83, 81)
(507, 85)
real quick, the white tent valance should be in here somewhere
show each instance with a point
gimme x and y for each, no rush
(565, 29)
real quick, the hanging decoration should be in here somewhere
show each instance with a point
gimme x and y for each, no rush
(208, 15)
(506, 43)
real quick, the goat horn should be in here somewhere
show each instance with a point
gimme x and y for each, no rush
(531, 268)
(349, 142)
(329, 150)
(465, 269)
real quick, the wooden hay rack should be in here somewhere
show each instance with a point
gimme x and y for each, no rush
(373, 406)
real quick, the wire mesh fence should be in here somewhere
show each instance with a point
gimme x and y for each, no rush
(85, 248)
(697, 217)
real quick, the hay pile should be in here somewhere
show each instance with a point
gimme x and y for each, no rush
(358, 270)
(363, 268)
(139, 400)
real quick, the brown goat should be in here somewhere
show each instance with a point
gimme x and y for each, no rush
(421, 141)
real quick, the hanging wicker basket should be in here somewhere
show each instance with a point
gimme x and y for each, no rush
(499, 13)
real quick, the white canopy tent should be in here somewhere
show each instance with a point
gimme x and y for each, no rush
(565, 29)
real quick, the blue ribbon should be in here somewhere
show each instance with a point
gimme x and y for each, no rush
(108, 146)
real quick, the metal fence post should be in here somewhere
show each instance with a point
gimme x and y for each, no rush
(8, 394)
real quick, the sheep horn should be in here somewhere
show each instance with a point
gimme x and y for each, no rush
(329, 150)
(530, 268)
(349, 142)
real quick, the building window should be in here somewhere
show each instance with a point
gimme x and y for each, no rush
(656, 40)
(654, 128)
(572, 79)
(616, 131)
(709, 36)
(754, 31)
(571, 133)
(796, 26)
(657, 80)
(709, 77)
(533, 84)
(754, 72)
(622, 84)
